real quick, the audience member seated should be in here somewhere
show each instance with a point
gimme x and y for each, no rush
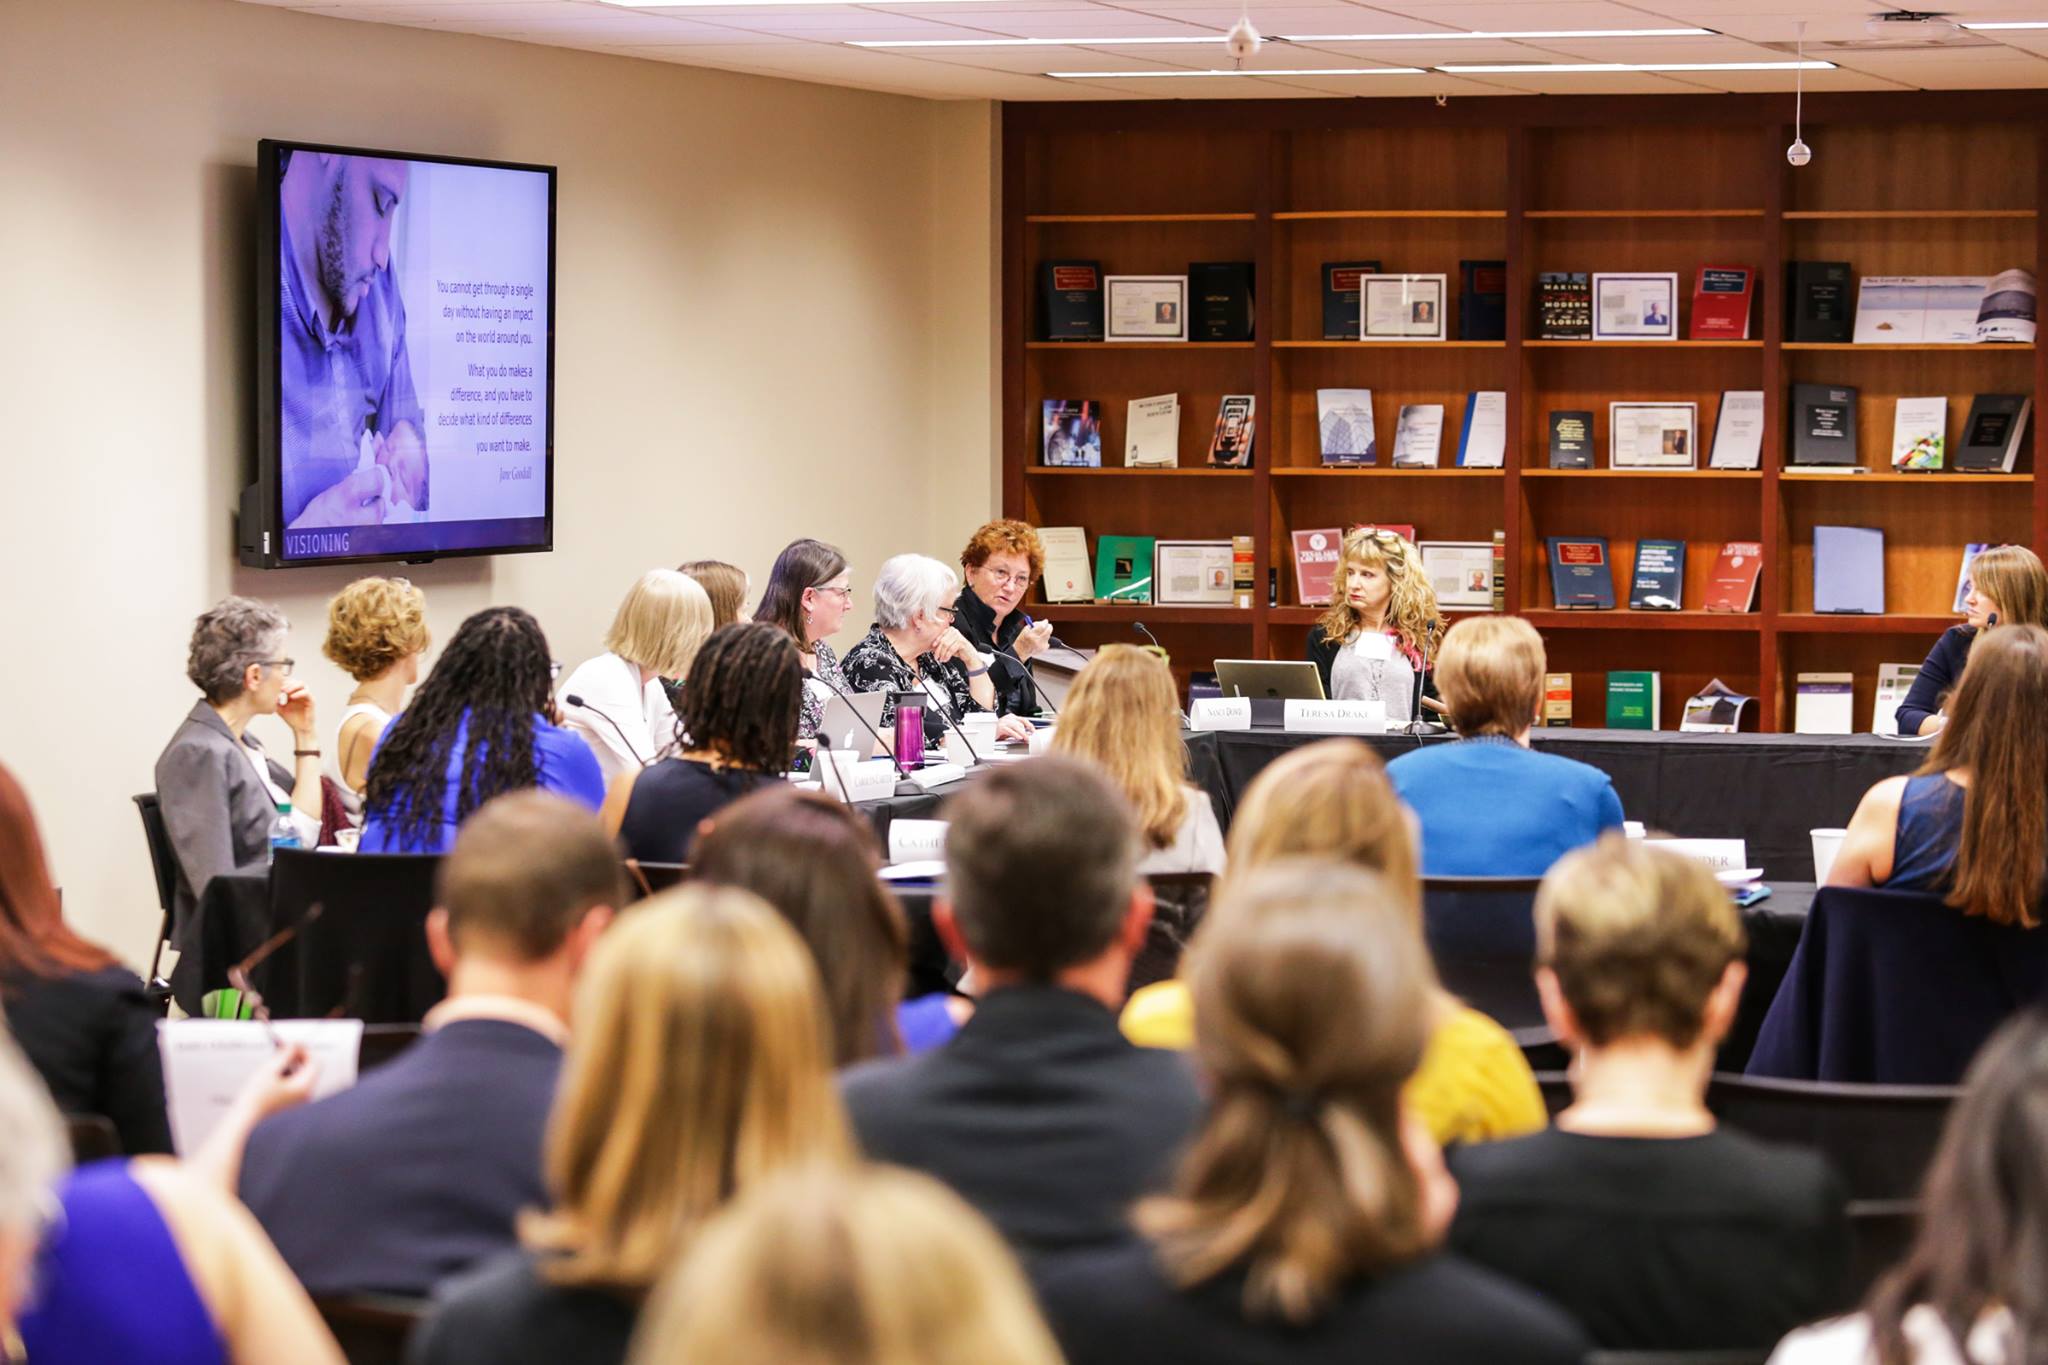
(998, 566)
(914, 646)
(1376, 635)
(132, 1261)
(419, 1170)
(1491, 806)
(808, 595)
(624, 715)
(1123, 717)
(1969, 825)
(698, 1068)
(739, 722)
(1305, 1222)
(2008, 587)
(220, 796)
(870, 1266)
(376, 632)
(1970, 1290)
(80, 1016)
(1331, 800)
(1655, 1229)
(725, 587)
(814, 860)
(478, 727)
(1040, 1113)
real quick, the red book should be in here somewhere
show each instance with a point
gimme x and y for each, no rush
(1315, 565)
(1721, 303)
(1736, 571)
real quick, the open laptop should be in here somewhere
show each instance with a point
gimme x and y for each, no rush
(840, 727)
(1278, 679)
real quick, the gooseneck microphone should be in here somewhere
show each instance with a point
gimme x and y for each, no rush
(582, 705)
(1139, 626)
(1417, 725)
(902, 773)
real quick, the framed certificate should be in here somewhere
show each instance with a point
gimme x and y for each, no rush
(1146, 307)
(1635, 307)
(1192, 573)
(1460, 572)
(1401, 308)
(1653, 435)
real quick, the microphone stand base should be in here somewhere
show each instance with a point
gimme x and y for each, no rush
(1420, 728)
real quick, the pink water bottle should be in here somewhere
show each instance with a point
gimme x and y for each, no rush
(910, 729)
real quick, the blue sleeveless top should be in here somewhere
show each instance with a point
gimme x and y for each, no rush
(110, 1284)
(1929, 831)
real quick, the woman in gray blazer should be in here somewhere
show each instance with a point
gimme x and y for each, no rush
(218, 791)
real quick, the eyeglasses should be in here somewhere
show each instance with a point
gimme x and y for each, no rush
(1009, 580)
(845, 593)
(283, 666)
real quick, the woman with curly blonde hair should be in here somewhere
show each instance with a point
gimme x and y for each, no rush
(376, 631)
(1381, 628)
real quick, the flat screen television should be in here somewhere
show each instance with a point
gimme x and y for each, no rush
(404, 357)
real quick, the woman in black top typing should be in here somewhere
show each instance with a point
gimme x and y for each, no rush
(2008, 587)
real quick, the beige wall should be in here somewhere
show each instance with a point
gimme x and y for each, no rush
(774, 319)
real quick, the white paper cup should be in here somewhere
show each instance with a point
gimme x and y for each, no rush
(1632, 829)
(1826, 844)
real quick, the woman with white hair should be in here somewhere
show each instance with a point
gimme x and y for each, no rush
(913, 646)
(621, 708)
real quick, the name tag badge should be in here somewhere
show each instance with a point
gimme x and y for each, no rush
(1220, 713)
(1335, 717)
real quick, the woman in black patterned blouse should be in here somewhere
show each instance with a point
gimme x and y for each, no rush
(808, 593)
(914, 645)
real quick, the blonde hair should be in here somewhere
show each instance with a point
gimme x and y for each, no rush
(1330, 799)
(1490, 675)
(700, 1064)
(1122, 715)
(662, 623)
(860, 1266)
(1638, 937)
(2014, 578)
(1411, 605)
(373, 623)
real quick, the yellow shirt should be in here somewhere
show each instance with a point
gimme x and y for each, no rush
(1473, 1084)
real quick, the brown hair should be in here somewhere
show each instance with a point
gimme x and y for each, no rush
(698, 1066)
(1330, 799)
(1411, 607)
(725, 584)
(1004, 537)
(2014, 578)
(814, 860)
(373, 623)
(524, 871)
(1490, 674)
(33, 935)
(803, 564)
(1122, 715)
(1995, 732)
(1638, 937)
(1309, 1018)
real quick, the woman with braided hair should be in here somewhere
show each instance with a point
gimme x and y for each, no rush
(739, 732)
(479, 726)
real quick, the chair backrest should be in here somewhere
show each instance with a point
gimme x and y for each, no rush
(1482, 933)
(163, 860)
(366, 955)
(1541, 1049)
(372, 1328)
(1678, 1358)
(644, 879)
(93, 1138)
(1881, 1232)
(1556, 1087)
(1879, 1137)
(1179, 901)
(382, 1042)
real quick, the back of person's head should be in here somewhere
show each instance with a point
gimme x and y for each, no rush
(524, 873)
(911, 586)
(661, 623)
(1041, 859)
(857, 1266)
(699, 1064)
(1330, 799)
(1122, 715)
(1490, 674)
(232, 634)
(1983, 1238)
(1309, 1018)
(744, 694)
(1996, 733)
(815, 861)
(2013, 577)
(803, 564)
(35, 1152)
(373, 623)
(33, 935)
(1638, 941)
(724, 584)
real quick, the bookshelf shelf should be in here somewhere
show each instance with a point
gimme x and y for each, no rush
(1169, 346)
(1295, 616)
(1390, 345)
(1328, 215)
(1551, 618)
(1946, 348)
(1592, 215)
(1901, 215)
(1814, 623)
(1125, 472)
(1682, 344)
(1642, 474)
(1941, 477)
(1036, 219)
(1382, 472)
(1151, 614)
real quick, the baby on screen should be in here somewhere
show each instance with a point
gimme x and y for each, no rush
(401, 461)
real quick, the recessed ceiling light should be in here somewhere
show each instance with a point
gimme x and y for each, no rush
(1584, 68)
(1032, 42)
(1285, 71)
(2017, 23)
(1503, 33)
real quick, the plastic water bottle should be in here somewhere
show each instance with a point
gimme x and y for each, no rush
(283, 833)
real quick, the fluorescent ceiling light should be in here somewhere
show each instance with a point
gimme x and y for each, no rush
(1031, 42)
(1503, 33)
(1582, 68)
(2019, 23)
(1294, 71)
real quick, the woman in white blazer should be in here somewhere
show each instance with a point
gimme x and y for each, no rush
(616, 700)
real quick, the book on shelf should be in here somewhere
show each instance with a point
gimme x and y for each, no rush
(1992, 433)
(1231, 446)
(1571, 439)
(1715, 709)
(1658, 583)
(1894, 681)
(1963, 577)
(1460, 573)
(1557, 699)
(1824, 704)
(1073, 433)
(1634, 699)
(1316, 554)
(1418, 435)
(1243, 570)
(1919, 434)
(1817, 303)
(1123, 568)
(1500, 570)
(1483, 439)
(1344, 427)
(1739, 430)
(1945, 310)
(1341, 290)
(1070, 300)
(1823, 425)
(1580, 578)
(1482, 300)
(1067, 577)
(1732, 584)
(1220, 301)
(1848, 570)
(1721, 299)
(1152, 432)
(1564, 305)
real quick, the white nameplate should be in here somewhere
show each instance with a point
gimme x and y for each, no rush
(917, 841)
(1041, 739)
(844, 774)
(207, 1061)
(1716, 855)
(1368, 717)
(1220, 713)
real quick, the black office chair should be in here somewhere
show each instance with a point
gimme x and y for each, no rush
(1540, 1048)
(1556, 1088)
(365, 955)
(1678, 1358)
(644, 879)
(382, 1042)
(163, 861)
(1879, 1137)
(1179, 901)
(1881, 1231)
(1482, 933)
(372, 1329)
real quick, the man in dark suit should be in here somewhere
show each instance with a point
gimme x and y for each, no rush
(1039, 1112)
(420, 1169)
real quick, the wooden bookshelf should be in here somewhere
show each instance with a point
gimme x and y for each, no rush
(1900, 184)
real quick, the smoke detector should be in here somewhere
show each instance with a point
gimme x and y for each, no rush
(1908, 24)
